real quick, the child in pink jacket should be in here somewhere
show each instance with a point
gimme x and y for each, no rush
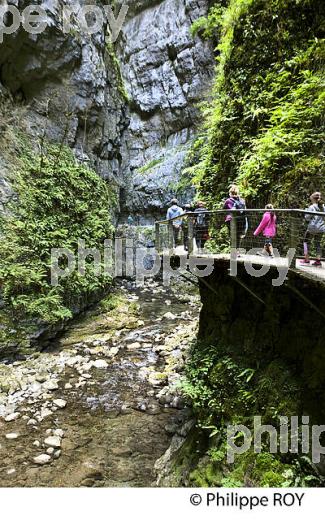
(268, 227)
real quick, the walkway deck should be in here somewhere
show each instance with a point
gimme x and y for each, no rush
(315, 273)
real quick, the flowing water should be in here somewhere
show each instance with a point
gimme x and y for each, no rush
(117, 412)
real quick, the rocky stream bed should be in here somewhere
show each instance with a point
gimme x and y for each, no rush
(102, 406)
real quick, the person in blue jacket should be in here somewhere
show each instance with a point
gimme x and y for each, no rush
(175, 211)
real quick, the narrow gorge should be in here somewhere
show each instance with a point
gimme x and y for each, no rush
(108, 382)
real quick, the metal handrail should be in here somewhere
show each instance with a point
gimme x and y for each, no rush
(191, 216)
(230, 211)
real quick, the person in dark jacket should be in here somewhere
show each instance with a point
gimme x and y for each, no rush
(201, 229)
(236, 202)
(315, 229)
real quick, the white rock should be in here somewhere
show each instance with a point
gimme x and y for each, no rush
(58, 432)
(31, 422)
(170, 316)
(51, 385)
(12, 417)
(35, 388)
(67, 386)
(134, 346)
(42, 459)
(11, 471)
(53, 441)
(45, 412)
(50, 451)
(100, 363)
(60, 403)
(37, 444)
(12, 435)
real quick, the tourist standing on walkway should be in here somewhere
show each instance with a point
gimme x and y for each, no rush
(236, 202)
(175, 211)
(315, 230)
(201, 228)
(267, 226)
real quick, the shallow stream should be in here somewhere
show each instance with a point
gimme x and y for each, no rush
(101, 406)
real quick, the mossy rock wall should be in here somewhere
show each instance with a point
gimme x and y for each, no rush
(284, 328)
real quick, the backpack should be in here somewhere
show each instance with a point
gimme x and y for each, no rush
(200, 219)
(316, 224)
(239, 204)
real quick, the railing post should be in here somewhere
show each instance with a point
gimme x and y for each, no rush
(293, 238)
(233, 233)
(190, 235)
(170, 235)
(233, 246)
(157, 237)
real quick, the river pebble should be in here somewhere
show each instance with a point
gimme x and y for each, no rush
(53, 441)
(12, 436)
(60, 403)
(42, 459)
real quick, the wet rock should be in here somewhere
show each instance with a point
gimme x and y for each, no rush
(42, 459)
(100, 363)
(41, 378)
(51, 385)
(45, 412)
(178, 402)
(12, 436)
(53, 441)
(171, 428)
(170, 316)
(60, 403)
(134, 346)
(35, 388)
(12, 417)
(186, 428)
(153, 409)
(58, 433)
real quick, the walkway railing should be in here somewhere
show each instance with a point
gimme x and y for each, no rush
(217, 236)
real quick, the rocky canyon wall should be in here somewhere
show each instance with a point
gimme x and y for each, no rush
(128, 110)
(167, 73)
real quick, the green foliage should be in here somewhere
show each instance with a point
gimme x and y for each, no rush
(208, 27)
(265, 126)
(224, 391)
(59, 201)
(117, 70)
(151, 164)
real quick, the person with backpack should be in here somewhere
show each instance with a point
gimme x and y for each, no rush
(201, 227)
(315, 230)
(236, 202)
(267, 226)
(175, 211)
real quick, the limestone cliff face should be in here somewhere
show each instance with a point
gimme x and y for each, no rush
(67, 87)
(166, 73)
